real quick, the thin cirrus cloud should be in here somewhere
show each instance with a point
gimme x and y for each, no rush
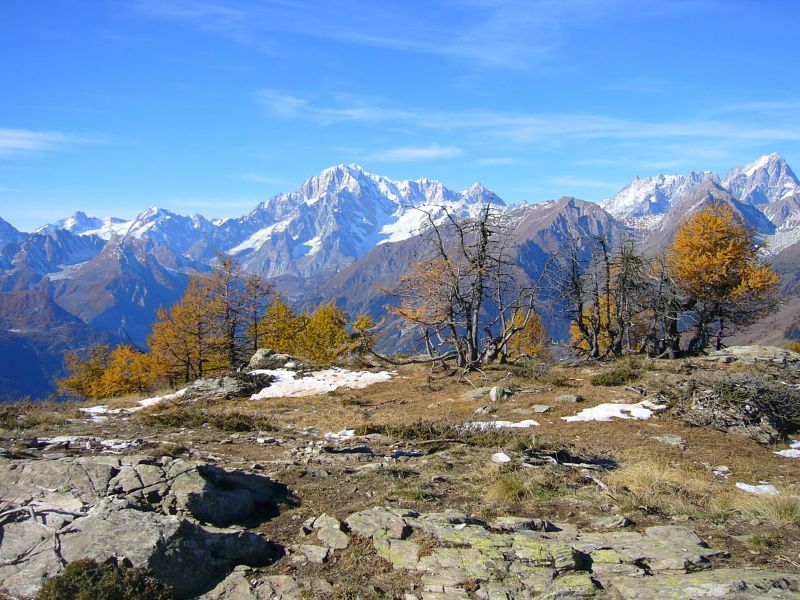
(484, 33)
(741, 125)
(24, 141)
(413, 153)
(20, 142)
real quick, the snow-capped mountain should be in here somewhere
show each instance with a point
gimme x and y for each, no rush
(82, 224)
(768, 180)
(642, 201)
(337, 216)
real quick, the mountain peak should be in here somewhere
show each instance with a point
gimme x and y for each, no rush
(766, 180)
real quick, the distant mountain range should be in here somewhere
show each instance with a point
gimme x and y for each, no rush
(345, 235)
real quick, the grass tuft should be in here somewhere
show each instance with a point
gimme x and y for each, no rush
(657, 487)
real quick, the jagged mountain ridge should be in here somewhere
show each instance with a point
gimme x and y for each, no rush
(346, 234)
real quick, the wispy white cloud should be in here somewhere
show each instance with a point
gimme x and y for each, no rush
(532, 127)
(15, 142)
(486, 33)
(415, 153)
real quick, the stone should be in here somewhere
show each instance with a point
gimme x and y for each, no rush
(671, 440)
(477, 393)
(611, 522)
(501, 457)
(572, 586)
(518, 557)
(313, 553)
(234, 385)
(241, 584)
(330, 532)
(511, 524)
(541, 408)
(264, 358)
(571, 398)
(485, 410)
(151, 512)
(717, 583)
(497, 393)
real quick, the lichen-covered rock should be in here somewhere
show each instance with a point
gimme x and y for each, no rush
(455, 556)
(717, 583)
(150, 512)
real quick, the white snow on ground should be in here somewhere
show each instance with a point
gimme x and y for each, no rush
(87, 441)
(319, 382)
(792, 452)
(501, 457)
(606, 412)
(763, 489)
(485, 425)
(344, 434)
(102, 412)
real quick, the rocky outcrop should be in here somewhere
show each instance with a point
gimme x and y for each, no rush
(264, 358)
(164, 514)
(233, 385)
(452, 555)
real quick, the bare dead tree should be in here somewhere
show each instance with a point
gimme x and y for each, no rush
(466, 287)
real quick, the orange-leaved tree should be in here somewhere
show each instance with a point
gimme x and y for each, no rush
(716, 261)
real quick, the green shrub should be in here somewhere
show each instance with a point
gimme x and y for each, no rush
(89, 580)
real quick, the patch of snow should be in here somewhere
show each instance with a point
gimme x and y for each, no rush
(259, 238)
(762, 489)
(344, 434)
(152, 401)
(486, 425)
(501, 457)
(318, 382)
(792, 452)
(608, 411)
(102, 412)
(314, 244)
(66, 272)
(87, 441)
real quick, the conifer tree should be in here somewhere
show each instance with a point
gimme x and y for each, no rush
(324, 335)
(85, 373)
(716, 261)
(280, 327)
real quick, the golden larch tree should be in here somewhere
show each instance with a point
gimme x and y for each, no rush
(716, 261)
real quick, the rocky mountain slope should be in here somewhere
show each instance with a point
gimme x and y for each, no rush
(347, 235)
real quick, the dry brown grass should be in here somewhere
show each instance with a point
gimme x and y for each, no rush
(774, 510)
(25, 415)
(659, 487)
(521, 488)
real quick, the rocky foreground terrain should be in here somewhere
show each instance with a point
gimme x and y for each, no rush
(632, 480)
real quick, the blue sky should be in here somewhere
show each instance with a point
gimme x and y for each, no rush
(212, 106)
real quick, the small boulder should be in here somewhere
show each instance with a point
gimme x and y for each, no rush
(497, 393)
(572, 398)
(264, 358)
(611, 522)
(330, 532)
